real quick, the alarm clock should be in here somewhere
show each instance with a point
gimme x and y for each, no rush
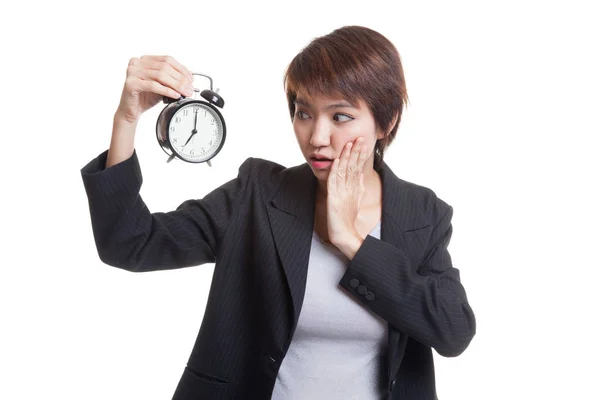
(191, 129)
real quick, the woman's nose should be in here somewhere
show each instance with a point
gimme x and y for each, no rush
(320, 135)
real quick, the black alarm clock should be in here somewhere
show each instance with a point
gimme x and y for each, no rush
(190, 129)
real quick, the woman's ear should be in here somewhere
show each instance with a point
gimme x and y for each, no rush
(382, 135)
(393, 124)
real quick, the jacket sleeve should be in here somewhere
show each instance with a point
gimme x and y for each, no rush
(129, 236)
(427, 302)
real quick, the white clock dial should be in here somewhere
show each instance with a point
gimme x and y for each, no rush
(196, 132)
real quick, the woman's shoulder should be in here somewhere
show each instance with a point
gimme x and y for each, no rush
(423, 194)
(402, 191)
(261, 166)
(269, 174)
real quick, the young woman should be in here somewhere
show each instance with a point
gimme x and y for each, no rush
(332, 278)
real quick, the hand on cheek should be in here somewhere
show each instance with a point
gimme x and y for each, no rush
(345, 191)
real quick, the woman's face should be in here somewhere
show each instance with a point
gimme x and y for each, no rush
(323, 125)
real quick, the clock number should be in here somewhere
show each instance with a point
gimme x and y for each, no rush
(185, 112)
(177, 119)
(191, 152)
(175, 140)
(172, 129)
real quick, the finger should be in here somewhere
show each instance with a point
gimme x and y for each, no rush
(343, 165)
(332, 178)
(182, 86)
(362, 158)
(158, 66)
(362, 183)
(149, 68)
(155, 87)
(361, 189)
(160, 78)
(166, 75)
(173, 63)
(354, 156)
(168, 72)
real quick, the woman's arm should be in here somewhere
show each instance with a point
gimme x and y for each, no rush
(427, 302)
(130, 237)
(122, 140)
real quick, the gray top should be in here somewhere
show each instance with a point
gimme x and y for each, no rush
(338, 348)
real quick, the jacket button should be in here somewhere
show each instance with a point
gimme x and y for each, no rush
(362, 289)
(354, 282)
(370, 296)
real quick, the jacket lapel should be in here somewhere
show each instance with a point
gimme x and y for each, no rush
(291, 215)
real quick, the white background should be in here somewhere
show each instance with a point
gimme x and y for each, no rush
(502, 124)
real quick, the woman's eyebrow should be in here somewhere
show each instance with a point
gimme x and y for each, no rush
(341, 104)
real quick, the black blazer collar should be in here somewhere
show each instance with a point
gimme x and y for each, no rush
(296, 197)
(291, 215)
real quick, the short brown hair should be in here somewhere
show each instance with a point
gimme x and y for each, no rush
(358, 63)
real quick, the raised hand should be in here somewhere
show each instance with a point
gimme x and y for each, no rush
(148, 79)
(345, 191)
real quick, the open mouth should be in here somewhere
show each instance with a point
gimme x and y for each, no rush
(321, 163)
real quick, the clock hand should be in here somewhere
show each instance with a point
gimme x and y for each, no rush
(194, 131)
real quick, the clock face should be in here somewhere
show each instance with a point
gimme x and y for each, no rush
(196, 132)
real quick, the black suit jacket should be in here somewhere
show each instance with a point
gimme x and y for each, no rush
(257, 229)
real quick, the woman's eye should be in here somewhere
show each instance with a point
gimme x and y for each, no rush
(301, 114)
(342, 117)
